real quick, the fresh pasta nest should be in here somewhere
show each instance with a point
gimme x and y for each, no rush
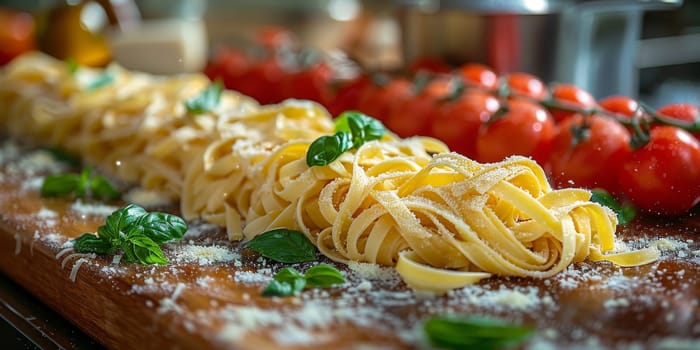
(442, 219)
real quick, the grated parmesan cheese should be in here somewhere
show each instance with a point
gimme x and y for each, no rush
(666, 244)
(88, 209)
(616, 303)
(203, 255)
(169, 303)
(74, 271)
(33, 184)
(251, 277)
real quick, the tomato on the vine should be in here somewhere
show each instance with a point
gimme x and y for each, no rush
(570, 95)
(347, 95)
(682, 111)
(229, 65)
(262, 81)
(412, 116)
(622, 105)
(378, 98)
(663, 177)
(311, 82)
(457, 122)
(429, 64)
(588, 152)
(478, 74)
(526, 84)
(17, 32)
(526, 129)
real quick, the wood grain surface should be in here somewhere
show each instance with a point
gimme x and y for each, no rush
(208, 297)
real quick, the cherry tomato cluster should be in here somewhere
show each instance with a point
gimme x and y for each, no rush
(613, 144)
(274, 71)
(17, 31)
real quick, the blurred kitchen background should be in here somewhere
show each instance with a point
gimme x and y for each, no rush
(648, 49)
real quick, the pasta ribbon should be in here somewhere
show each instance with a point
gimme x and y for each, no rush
(445, 221)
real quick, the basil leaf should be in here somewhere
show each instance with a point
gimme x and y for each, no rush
(72, 65)
(466, 332)
(353, 129)
(361, 127)
(282, 245)
(341, 122)
(137, 232)
(162, 227)
(101, 81)
(287, 280)
(89, 243)
(60, 185)
(323, 275)
(288, 275)
(82, 185)
(325, 149)
(207, 100)
(625, 213)
(117, 223)
(138, 248)
(102, 188)
(278, 289)
(298, 285)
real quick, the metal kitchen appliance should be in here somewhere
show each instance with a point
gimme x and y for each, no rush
(590, 43)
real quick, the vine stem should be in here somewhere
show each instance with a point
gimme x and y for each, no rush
(644, 115)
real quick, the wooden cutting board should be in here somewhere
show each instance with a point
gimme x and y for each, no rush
(209, 296)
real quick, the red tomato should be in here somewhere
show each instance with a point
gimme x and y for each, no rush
(310, 83)
(595, 160)
(663, 177)
(229, 65)
(429, 64)
(16, 34)
(348, 95)
(262, 81)
(377, 100)
(526, 129)
(412, 116)
(682, 111)
(457, 122)
(621, 105)
(526, 84)
(572, 96)
(438, 87)
(478, 74)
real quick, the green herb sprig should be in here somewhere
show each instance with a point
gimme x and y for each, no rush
(81, 185)
(288, 281)
(353, 129)
(104, 79)
(472, 332)
(625, 212)
(207, 100)
(72, 66)
(282, 245)
(137, 232)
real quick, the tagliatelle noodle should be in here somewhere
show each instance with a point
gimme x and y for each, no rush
(442, 219)
(219, 184)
